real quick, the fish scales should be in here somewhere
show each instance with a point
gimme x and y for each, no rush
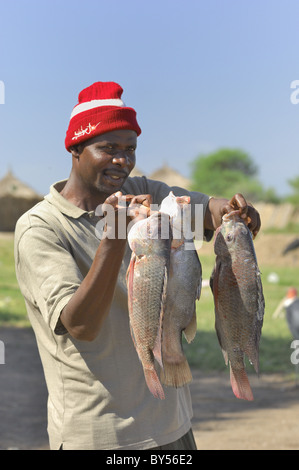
(147, 297)
(164, 281)
(239, 301)
(180, 315)
(183, 288)
(147, 282)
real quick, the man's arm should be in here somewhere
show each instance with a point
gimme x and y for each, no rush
(85, 312)
(218, 207)
(87, 309)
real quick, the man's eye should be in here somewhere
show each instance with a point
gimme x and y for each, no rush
(107, 148)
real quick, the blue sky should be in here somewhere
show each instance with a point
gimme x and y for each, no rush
(201, 75)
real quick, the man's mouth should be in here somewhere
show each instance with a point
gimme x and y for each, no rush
(115, 176)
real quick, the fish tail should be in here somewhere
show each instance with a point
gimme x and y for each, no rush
(153, 383)
(176, 374)
(240, 384)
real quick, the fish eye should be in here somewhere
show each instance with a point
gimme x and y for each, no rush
(229, 237)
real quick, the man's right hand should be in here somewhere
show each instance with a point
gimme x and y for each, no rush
(122, 209)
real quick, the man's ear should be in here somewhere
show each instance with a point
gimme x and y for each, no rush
(75, 151)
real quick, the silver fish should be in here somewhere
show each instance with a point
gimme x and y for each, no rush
(147, 278)
(239, 301)
(183, 288)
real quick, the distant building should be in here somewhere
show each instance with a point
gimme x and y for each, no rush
(15, 199)
(168, 175)
(136, 172)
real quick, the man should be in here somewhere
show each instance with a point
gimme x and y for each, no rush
(73, 282)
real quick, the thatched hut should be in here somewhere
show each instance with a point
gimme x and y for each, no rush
(15, 199)
(170, 176)
(136, 172)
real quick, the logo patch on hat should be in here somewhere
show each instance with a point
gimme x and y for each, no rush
(88, 130)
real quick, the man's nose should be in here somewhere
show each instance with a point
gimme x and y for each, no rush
(121, 159)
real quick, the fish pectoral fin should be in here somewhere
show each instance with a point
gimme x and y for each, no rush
(252, 353)
(153, 383)
(191, 329)
(224, 352)
(157, 350)
(225, 356)
(133, 339)
(130, 279)
(214, 279)
(198, 293)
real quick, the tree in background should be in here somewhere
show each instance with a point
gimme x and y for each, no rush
(229, 171)
(294, 197)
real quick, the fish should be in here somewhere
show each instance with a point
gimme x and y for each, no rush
(147, 279)
(238, 300)
(183, 289)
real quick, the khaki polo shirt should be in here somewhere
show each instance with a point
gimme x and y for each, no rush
(98, 398)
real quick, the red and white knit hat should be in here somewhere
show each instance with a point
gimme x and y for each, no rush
(99, 110)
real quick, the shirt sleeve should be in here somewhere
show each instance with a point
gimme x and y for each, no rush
(47, 273)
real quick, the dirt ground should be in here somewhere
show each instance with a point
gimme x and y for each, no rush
(221, 421)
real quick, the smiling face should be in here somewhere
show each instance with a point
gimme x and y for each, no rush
(102, 164)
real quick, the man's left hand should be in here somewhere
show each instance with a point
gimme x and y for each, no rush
(218, 207)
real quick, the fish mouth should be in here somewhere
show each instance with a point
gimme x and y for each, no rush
(232, 215)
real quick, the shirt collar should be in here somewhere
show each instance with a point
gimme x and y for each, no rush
(66, 207)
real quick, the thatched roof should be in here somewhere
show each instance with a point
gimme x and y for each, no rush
(170, 176)
(136, 172)
(15, 199)
(11, 186)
